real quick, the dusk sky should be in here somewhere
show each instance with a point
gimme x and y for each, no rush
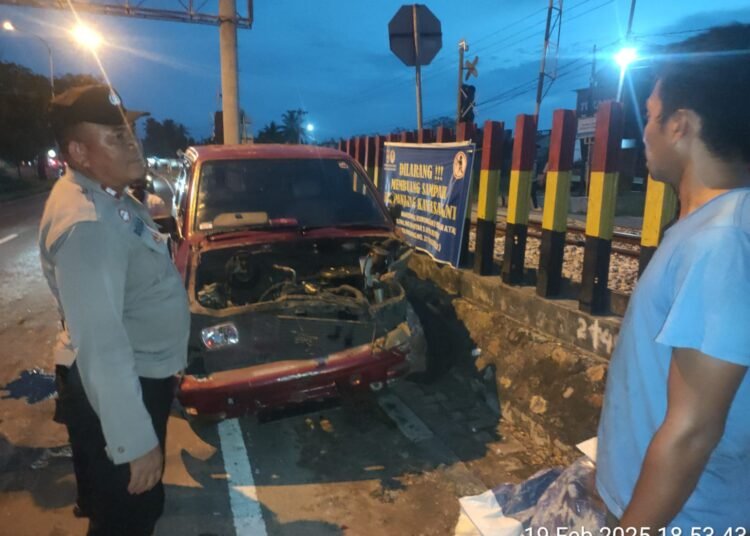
(332, 57)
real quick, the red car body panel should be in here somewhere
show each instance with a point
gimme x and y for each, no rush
(284, 382)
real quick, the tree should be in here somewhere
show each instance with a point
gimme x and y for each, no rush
(165, 138)
(271, 133)
(292, 126)
(24, 100)
(442, 121)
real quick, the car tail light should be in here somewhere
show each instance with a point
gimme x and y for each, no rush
(220, 336)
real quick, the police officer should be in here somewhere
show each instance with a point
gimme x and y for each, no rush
(124, 310)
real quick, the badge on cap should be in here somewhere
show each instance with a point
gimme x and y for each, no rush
(114, 99)
(124, 214)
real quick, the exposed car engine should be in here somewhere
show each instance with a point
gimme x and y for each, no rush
(364, 273)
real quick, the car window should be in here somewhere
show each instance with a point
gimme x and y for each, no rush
(314, 192)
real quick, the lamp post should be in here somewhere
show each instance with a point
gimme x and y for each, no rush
(624, 58)
(310, 128)
(9, 27)
(87, 37)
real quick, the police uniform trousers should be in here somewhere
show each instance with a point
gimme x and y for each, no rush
(103, 486)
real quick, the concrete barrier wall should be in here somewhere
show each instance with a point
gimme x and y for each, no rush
(549, 358)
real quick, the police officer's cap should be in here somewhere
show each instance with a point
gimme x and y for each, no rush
(94, 103)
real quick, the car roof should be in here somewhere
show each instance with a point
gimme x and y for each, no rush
(260, 151)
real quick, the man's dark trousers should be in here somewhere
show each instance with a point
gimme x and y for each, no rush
(102, 485)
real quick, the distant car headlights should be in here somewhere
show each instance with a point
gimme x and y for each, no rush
(220, 336)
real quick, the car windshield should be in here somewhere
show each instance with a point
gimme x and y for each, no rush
(309, 192)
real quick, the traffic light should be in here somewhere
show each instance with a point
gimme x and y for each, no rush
(467, 102)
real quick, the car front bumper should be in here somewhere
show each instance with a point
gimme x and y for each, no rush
(279, 384)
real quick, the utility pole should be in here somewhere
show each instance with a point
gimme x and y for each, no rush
(550, 27)
(462, 47)
(630, 20)
(627, 43)
(229, 78)
(590, 141)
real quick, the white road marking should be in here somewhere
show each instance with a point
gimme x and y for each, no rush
(8, 238)
(243, 497)
(409, 424)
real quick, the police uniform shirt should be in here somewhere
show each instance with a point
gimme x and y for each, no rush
(124, 305)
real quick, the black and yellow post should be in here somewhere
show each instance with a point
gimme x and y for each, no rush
(489, 182)
(600, 216)
(519, 196)
(659, 210)
(350, 147)
(556, 202)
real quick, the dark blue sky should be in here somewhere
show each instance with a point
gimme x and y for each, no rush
(332, 58)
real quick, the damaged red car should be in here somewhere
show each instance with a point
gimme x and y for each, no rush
(293, 267)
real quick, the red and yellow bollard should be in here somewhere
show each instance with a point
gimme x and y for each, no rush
(556, 203)
(444, 135)
(489, 183)
(600, 216)
(659, 210)
(425, 135)
(519, 195)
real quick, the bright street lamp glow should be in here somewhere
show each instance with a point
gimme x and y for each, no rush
(310, 127)
(8, 26)
(51, 153)
(87, 37)
(626, 56)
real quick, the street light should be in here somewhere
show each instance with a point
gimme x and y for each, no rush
(87, 37)
(310, 127)
(9, 27)
(624, 58)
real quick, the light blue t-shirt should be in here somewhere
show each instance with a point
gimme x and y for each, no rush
(695, 293)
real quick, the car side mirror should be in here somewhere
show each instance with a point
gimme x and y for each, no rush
(395, 211)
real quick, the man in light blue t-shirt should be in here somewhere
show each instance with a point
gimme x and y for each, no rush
(674, 436)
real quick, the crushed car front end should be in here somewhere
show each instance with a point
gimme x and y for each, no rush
(299, 319)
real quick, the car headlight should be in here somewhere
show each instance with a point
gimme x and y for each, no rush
(220, 336)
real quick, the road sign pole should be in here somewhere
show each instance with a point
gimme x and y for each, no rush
(415, 37)
(418, 69)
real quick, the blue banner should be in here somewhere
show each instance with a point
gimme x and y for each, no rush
(432, 183)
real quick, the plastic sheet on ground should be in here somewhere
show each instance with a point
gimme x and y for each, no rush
(551, 499)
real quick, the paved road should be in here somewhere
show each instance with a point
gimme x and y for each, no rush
(360, 468)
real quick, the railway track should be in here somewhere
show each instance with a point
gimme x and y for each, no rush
(575, 236)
